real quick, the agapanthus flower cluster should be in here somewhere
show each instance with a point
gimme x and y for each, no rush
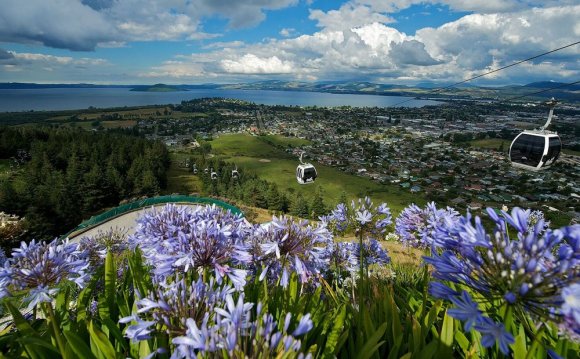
(570, 310)
(96, 247)
(535, 217)
(362, 217)
(372, 252)
(344, 256)
(231, 330)
(285, 246)
(3, 257)
(39, 268)
(182, 238)
(171, 304)
(416, 226)
(518, 266)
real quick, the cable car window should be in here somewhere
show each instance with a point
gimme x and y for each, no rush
(309, 173)
(554, 148)
(528, 150)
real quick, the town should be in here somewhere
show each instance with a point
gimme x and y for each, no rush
(454, 154)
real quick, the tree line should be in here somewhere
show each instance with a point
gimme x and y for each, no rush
(254, 191)
(72, 174)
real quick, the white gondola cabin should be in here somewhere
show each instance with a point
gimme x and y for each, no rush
(305, 172)
(536, 149)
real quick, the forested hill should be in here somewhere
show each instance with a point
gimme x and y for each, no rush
(65, 175)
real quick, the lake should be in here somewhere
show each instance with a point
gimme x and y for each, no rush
(74, 99)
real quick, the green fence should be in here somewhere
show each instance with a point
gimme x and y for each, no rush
(129, 207)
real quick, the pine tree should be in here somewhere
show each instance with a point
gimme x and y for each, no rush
(275, 199)
(299, 207)
(317, 206)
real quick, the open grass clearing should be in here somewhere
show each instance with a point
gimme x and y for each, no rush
(181, 180)
(278, 140)
(248, 151)
(492, 143)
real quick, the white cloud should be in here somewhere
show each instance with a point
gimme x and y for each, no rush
(53, 23)
(457, 50)
(252, 64)
(349, 15)
(82, 25)
(23, 58)
(288, 31)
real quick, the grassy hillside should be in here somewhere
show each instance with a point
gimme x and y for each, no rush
(269, 162)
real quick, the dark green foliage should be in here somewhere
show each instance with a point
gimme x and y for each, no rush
(317, 206)
(71, 174)
(299, 207)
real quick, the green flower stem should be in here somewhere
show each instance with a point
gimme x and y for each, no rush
(55, 328)
(361, 279)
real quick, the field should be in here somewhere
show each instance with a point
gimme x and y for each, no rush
(492, 143)
(268, 162)
(181, 181)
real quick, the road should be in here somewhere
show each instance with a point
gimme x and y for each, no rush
(126, 221)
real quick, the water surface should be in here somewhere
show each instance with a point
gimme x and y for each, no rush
(75, 99)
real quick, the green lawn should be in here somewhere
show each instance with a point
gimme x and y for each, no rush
(492, 143)
(278, 140)
(180, 180)
(274, 165)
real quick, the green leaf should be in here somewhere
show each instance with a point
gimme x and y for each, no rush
(38, 342)
(519, 347)
(110, 308)
(333, 337)
(446, 337)
(372, 344)
(462, 340)
(78, 345)
(102, 342)
(416, 333)
(25, 330)
(429, 350)
(116, 332)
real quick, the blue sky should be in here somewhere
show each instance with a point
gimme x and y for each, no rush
(198, 41)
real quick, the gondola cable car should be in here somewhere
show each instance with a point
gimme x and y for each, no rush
(235, 173)
(305, 172)
(536, 149)
(213, 175)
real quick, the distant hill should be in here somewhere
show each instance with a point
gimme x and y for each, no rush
(550, 84)
(159, 88)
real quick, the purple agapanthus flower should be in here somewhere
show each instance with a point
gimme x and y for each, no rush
(344, 256)
(286, 247)
(465, 310)
(514, 265)
(570, 310)
(416, 226)
(232, 330)
(96, 247)
(493, 332)
(182, 238)
(3, 257)
(361, 216)
(173, 302)
(39, 268)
